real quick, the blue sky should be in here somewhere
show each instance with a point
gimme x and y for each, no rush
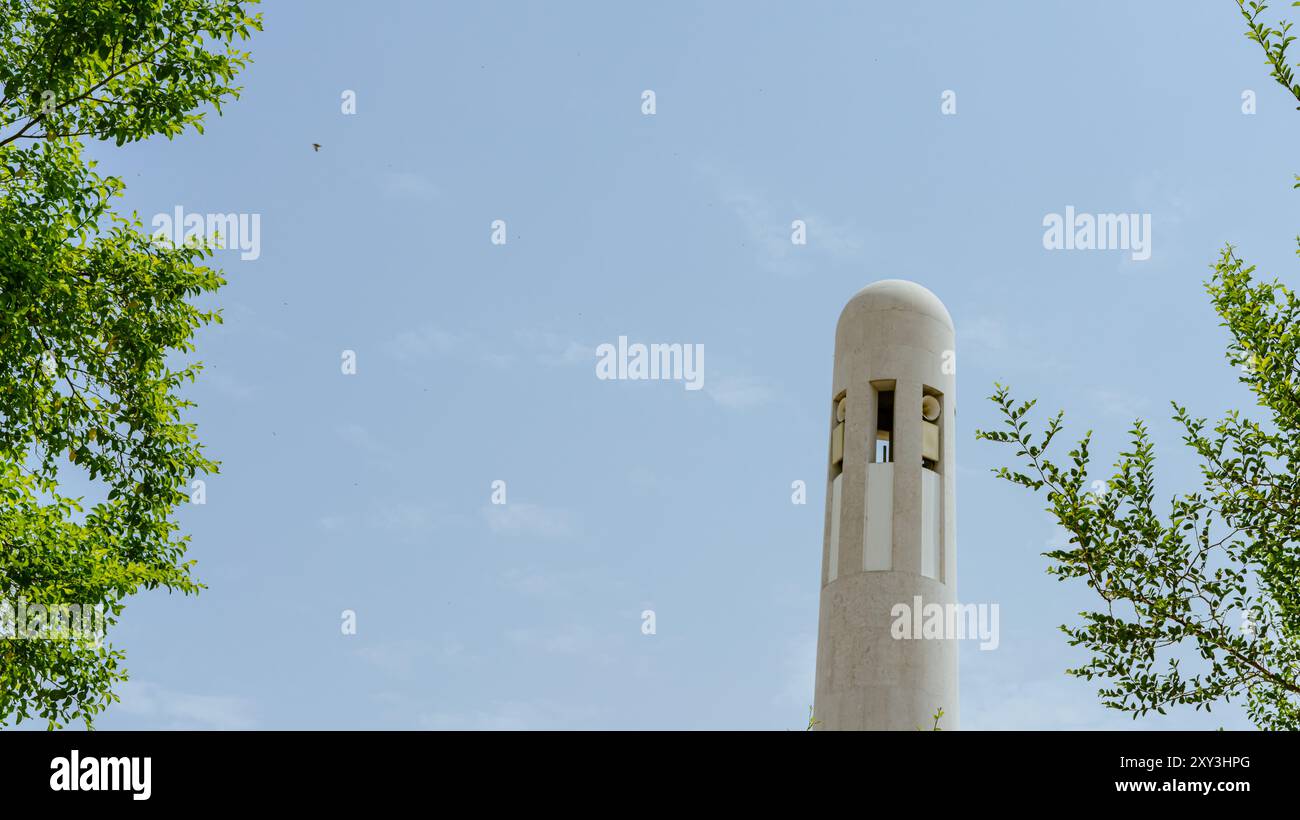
(475, 362)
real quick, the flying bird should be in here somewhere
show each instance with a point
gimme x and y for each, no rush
(315, 146)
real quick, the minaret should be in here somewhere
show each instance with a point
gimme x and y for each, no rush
(890, 535)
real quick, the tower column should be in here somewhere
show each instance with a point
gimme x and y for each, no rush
(889, 548)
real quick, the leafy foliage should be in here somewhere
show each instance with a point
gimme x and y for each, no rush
(1173, 585)
(1274, 41)
(938, 715)
(91, 313)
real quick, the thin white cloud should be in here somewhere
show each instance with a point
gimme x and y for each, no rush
(553, 350)
(558, 584)
(982, 334)
(767, 226)
(428, 342)
(156, 707)
(1035, 705)
(410, 185)
(406, 519)
(332, 523)
(738, 392)
(573, 640)
(1125, 405)
(403, 657)
(518, 519)
(424, 342)
(509, 716)
(360, 439)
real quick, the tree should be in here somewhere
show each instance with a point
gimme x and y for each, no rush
(1218, 578)
(92, 316)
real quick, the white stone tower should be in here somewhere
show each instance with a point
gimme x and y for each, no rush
(890, 535)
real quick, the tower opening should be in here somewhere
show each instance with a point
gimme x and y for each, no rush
(884, 448)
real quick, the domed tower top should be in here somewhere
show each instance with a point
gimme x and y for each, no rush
(897, 294)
